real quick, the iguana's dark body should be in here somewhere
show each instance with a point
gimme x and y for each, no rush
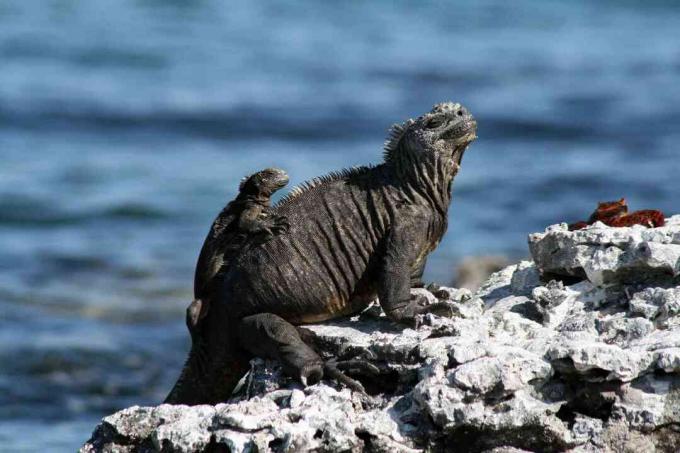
(312, 284)
(353, 236)
(246, 220)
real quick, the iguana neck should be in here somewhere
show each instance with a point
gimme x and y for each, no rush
(252, 199)
(427, 176)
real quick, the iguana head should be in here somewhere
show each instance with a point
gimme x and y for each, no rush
(425, 153)
(442, 133)
(264, 183)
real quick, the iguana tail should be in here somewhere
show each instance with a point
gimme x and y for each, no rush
(215, 364)
(208, 380)
(189, 388)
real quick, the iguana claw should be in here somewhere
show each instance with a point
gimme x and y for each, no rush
(312, 374)
(334, 369)
(357, 366)
(275, 226)
(443, 309)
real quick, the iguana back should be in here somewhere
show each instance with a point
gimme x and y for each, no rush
(325, 265)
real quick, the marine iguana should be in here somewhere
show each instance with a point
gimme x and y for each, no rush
(245, 220)
(354, 235)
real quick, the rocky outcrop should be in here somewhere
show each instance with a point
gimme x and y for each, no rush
(577, 350)
(606, 255)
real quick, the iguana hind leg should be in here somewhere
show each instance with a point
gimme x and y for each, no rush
(270, 336)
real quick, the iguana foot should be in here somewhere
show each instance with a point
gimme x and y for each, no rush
(280, 224)
(412, 314)
(422, 306)
(357, 366)
(334, 370)
(274, 226)
(443, 309)
(311, 373)
(433, 287)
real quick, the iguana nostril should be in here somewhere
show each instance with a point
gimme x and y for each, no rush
(459, 113)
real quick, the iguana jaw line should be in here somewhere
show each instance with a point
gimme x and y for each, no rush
(461, 146)
(460, 130)
(467, 133)
(457, 155)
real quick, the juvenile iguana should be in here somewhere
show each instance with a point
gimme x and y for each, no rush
(354, 235)
(245, 220)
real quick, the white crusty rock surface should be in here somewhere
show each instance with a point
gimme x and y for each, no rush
(604, 254)
(576, 351)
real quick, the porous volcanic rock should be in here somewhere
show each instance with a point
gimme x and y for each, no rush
(604, 254)
(576, 351)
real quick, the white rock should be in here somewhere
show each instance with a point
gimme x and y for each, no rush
(524, 365)
(604, 254)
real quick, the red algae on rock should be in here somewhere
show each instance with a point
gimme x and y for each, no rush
(615, 214)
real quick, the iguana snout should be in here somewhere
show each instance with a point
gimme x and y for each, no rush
(462, 129)
(451, 122)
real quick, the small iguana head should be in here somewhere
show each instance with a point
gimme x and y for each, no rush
(264, 183)
(443, 133)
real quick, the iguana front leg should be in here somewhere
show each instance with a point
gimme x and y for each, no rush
(403, 244)
(257, 221)
(417, 275)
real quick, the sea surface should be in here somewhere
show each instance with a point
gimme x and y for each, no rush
(126, 126)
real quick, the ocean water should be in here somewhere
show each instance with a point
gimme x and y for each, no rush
(126, 126)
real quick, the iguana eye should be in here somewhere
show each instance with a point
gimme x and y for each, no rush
(434, 123)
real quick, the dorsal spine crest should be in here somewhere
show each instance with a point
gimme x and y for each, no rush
(333, 176)
(394, 137)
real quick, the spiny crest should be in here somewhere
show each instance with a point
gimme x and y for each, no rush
(243, 181)
(394, 136)
(306, 186)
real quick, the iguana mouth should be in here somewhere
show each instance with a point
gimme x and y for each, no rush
(460, 136)
(281, 182)
(461, 132)
(457, 155)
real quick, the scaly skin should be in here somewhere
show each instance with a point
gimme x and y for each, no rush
(354, 235)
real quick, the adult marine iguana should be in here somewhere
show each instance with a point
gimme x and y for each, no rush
(244, 221)
(353, 235)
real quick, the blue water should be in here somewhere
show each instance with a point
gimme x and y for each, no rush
(126, 126)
